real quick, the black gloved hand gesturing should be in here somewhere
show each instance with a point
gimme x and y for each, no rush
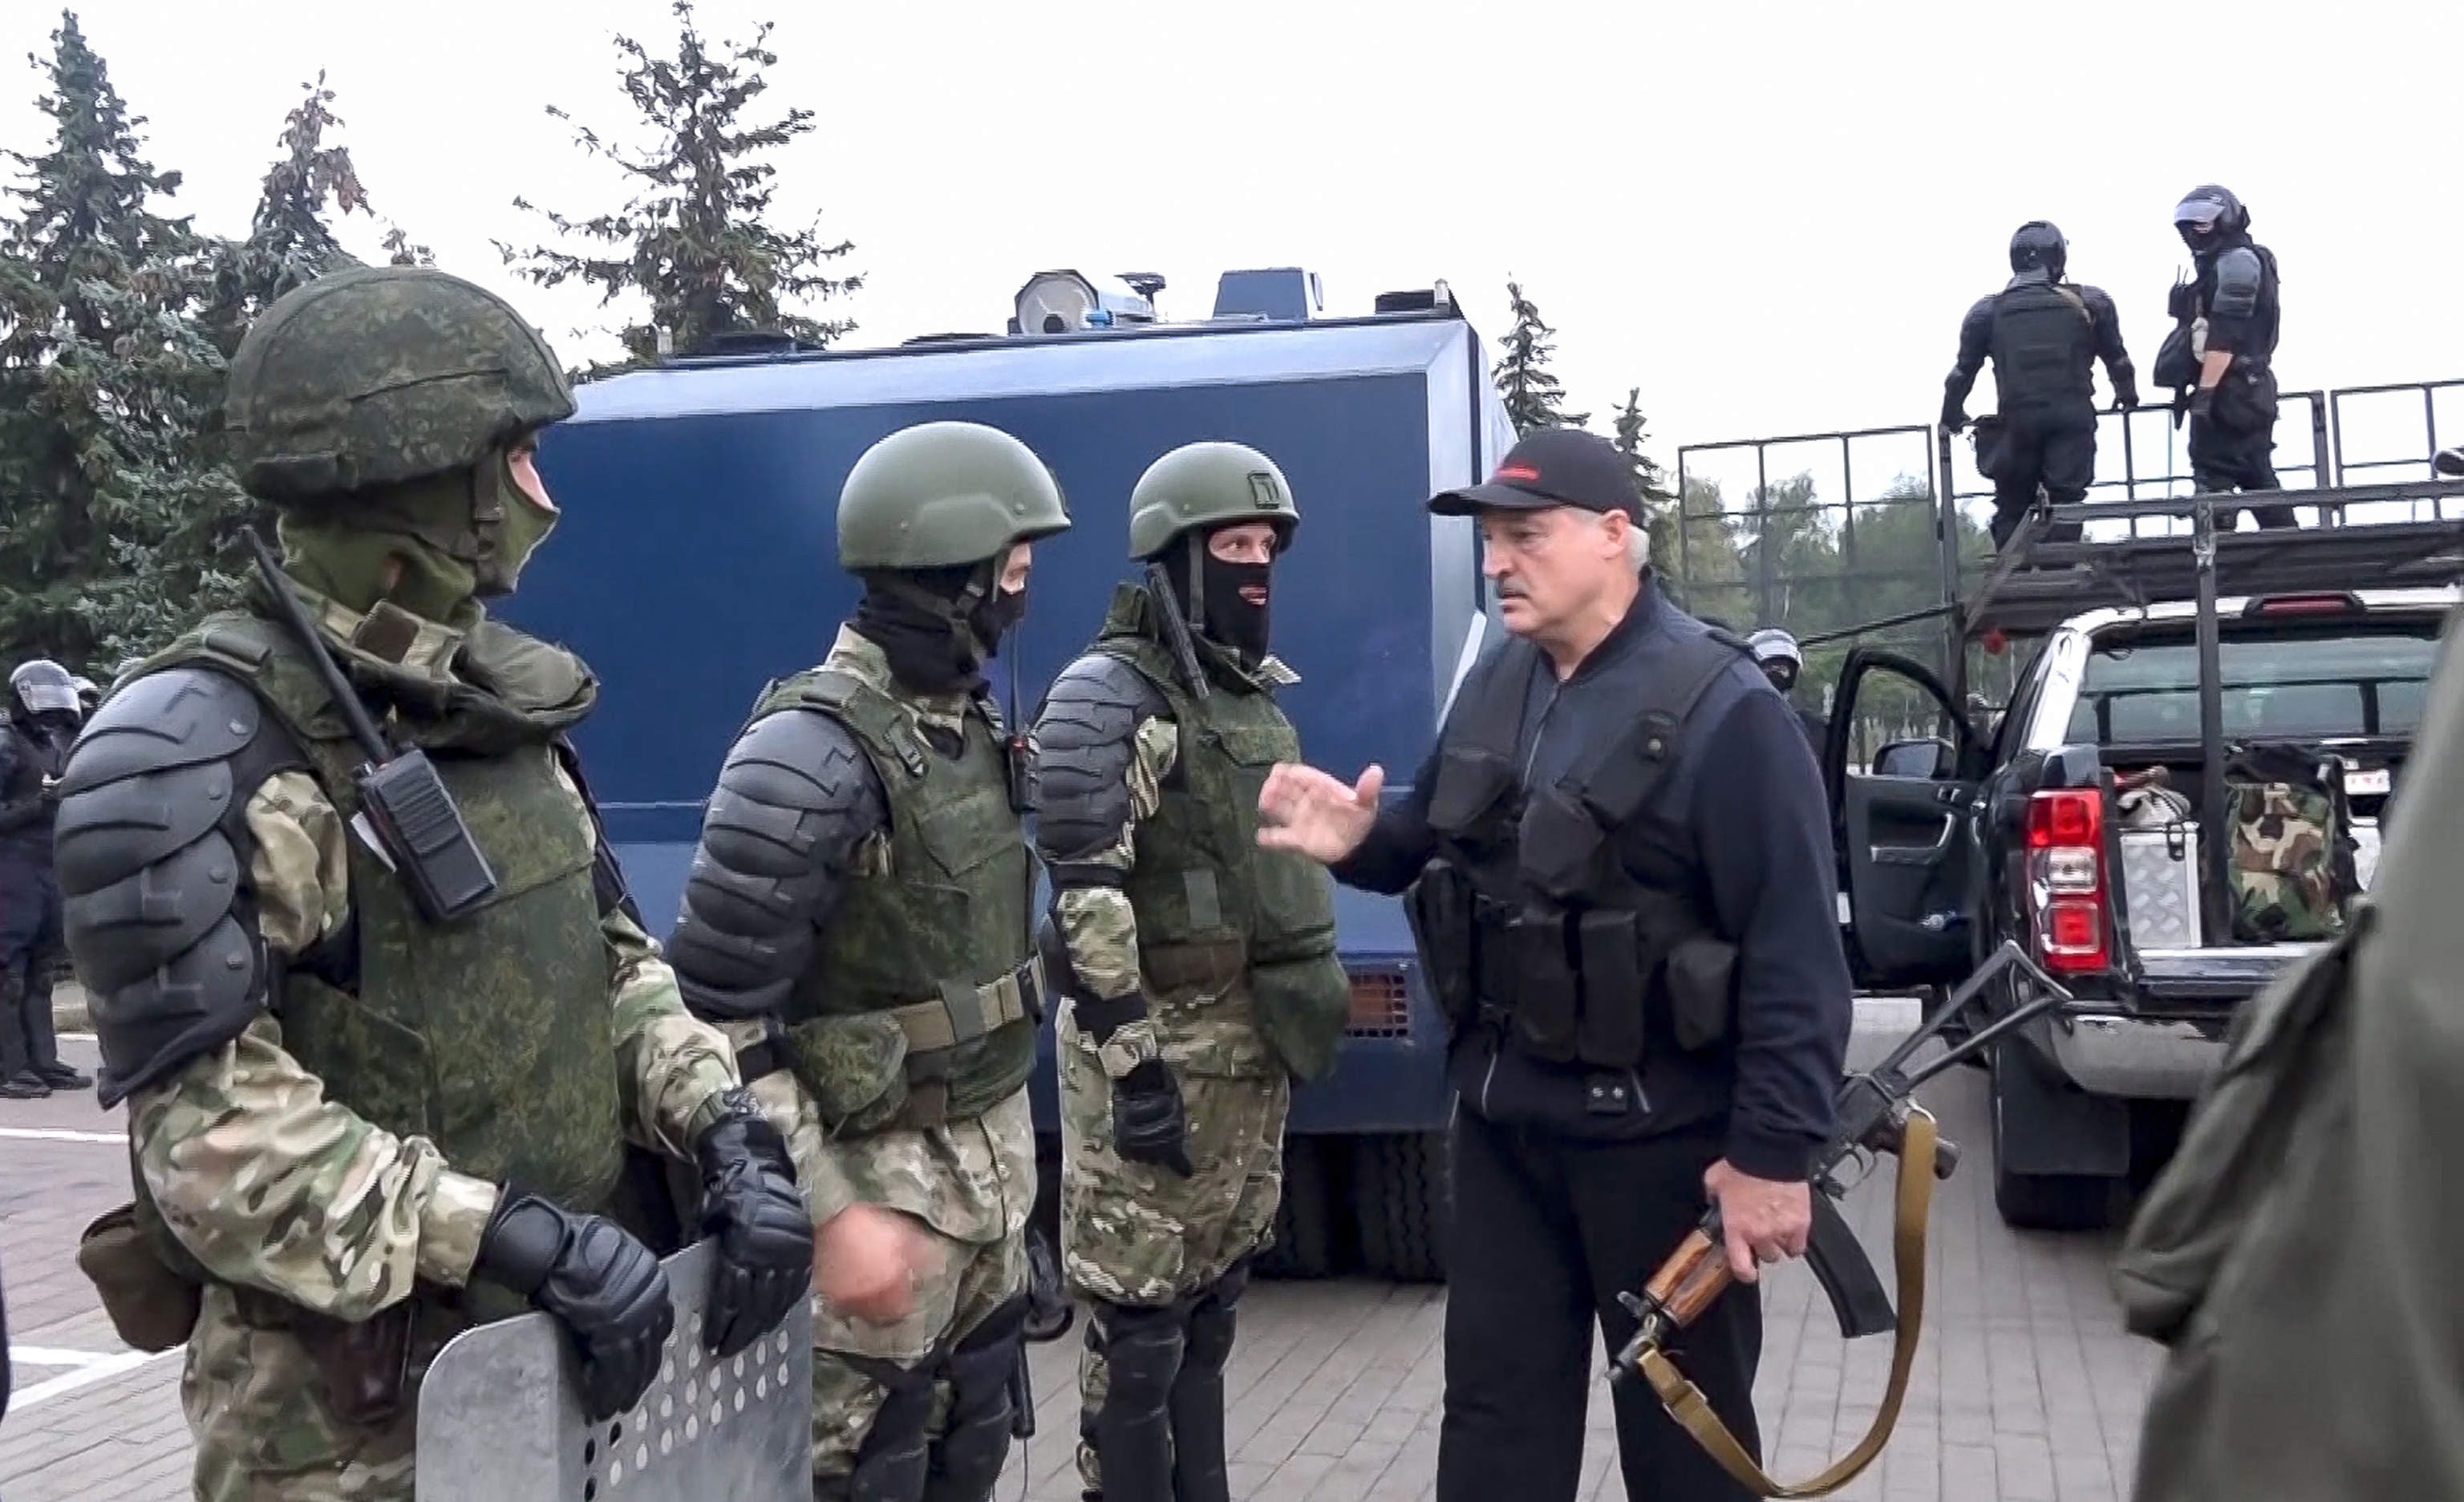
(1149, 1124)
(749, 1202)
(605, 1288)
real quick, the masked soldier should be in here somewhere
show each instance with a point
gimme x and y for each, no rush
(41, 720)
(2044, 335)
(380, 1088)
(1781, 659)
(2220, 358)
(1201, 967)
(858, 916)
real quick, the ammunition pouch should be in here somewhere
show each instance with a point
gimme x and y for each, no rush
(1702, 978)
(1992, 446)
(152, 1305)
(900, 1069)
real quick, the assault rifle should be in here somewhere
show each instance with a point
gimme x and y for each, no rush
(1875, 1113)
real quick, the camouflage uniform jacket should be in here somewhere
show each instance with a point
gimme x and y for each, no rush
(1191, 1028)
(972, 1180)
(271, 1186)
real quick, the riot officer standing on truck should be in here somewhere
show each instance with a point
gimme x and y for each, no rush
(2044, 335)
(857, 918)
(1189, 1019)
(1621, 883)
(2220, 358)
(381, 1088)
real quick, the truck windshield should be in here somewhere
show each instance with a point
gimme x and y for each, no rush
(2305, 682)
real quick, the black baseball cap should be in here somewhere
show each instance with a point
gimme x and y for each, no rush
(1553, 467)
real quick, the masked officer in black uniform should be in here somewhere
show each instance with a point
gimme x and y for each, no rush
(42, 721)
(2220, 358)
(1781, 659)
(1621, 881)
(2044, 335)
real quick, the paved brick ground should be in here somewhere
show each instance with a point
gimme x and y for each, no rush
(2026, 1387)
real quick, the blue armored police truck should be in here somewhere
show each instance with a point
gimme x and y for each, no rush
(698, 561)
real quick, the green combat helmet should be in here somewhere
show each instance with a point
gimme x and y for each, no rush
(1208, 484)
(376, 376)
(944, 495)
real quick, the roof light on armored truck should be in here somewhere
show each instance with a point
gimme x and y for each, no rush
(1067, 302)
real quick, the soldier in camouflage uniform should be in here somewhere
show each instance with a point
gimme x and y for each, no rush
(857, 917)
(1201, 969)
(362, 1123)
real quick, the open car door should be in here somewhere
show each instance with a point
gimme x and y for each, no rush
(1905, 829)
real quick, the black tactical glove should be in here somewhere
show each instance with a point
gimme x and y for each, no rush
(605, 1288)
(1148, 1123)
(2126, 396)
(1955, 417)
(2203, 401)
(749, 1202)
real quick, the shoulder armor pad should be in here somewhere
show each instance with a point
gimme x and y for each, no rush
(1085, 738)
(149, 850)
(795, 796)
(2240, 275)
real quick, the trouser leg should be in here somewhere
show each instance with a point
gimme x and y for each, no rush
(1519, 1319)
(2069, 468)
(1634, 1203)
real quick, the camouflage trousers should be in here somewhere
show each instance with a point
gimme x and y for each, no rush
(1132, 1234)
(976, 1279)
(263, 1433)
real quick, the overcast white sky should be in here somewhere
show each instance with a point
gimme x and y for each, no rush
(1767, 216)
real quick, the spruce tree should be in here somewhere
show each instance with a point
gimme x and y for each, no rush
(1648, 477)
(1533, 398)
(109, 493)
(695, 241)
(290, 241)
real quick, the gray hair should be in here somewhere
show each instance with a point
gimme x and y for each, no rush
(1637, 540)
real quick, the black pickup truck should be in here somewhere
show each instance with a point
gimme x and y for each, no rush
(2145, 653)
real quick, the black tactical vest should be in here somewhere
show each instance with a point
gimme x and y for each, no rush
(1571, 916)
(2043, 346)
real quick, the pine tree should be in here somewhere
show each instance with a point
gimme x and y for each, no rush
(108, 492)
(1533, 398)
(289, 242)
(694, 241)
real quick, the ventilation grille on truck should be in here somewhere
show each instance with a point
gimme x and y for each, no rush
(1382, 1006)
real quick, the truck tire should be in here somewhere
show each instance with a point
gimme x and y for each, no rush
(1399, 1184)
(2047, 1200)
(1304, 1245)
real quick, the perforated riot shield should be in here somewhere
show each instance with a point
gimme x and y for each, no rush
(499, 1416)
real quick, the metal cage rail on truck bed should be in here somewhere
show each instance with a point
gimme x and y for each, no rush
(1811, 531)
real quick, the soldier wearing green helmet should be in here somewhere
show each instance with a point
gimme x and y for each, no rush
(1200, 968)
(857, 919)
(361, 1121)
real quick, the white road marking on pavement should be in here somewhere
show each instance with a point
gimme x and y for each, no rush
(76, 1037)
(54, 1356)
(83, 1377)
(63, 1134)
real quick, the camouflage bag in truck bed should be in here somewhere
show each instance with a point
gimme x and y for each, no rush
(2290, 831)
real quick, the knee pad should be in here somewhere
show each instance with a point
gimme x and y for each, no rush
(890, 1465)
(974, 1443)
(1142, 1353)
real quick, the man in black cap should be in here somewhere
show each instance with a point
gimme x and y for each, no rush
(1623, 888)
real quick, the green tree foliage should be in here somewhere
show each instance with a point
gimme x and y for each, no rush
(1658, 503)
(109, 492)
(1533, 398)
(694, 241)
(290, 241)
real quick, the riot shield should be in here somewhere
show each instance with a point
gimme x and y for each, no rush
(499, 1416)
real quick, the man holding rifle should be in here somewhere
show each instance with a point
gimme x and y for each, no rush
(1620, 881)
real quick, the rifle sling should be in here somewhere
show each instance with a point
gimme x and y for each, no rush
(1686, 1404)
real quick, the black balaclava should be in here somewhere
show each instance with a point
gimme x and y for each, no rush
(1223, 614)
(937, 626)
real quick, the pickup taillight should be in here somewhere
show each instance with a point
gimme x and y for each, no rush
(2067, 880)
